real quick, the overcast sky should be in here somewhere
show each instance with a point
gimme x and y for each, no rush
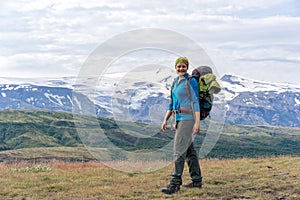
(52, 38)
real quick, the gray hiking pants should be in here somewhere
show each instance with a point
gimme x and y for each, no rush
(184, 151)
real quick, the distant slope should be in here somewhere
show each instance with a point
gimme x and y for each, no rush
(39, 129)
(27, 129)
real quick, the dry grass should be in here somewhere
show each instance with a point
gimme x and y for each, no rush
(266, 178)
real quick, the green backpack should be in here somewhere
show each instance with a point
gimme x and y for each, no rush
(208, 86)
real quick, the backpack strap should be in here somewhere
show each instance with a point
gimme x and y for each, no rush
(188, 86)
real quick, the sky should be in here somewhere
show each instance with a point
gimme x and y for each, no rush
(52, 38)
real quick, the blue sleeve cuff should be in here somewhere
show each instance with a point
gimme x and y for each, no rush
(196, 107)
(170, 107)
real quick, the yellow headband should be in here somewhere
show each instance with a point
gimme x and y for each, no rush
(183, 60)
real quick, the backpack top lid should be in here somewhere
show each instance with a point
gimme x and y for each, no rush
(201, 70)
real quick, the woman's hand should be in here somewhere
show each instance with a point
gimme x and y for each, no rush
(164, 126)
(196, 128)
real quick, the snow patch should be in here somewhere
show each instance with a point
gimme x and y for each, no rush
(297, 101)
(56, 99)
(240, 84)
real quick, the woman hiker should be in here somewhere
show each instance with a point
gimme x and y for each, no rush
(187, 115)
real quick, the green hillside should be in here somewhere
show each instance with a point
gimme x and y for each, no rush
(53, 130)
(27, 129)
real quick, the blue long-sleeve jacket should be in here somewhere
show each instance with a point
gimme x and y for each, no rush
(180, 98)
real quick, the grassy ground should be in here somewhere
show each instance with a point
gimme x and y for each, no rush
(265, 178)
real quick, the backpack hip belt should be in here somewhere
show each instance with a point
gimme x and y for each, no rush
(184, 110)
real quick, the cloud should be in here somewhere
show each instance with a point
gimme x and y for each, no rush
(40, 38)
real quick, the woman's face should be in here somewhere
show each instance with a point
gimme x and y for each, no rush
(181, 69)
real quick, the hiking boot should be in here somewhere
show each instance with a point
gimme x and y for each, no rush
(193, 184)
(170, 189)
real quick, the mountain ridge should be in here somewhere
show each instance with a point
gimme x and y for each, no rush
(247, 102)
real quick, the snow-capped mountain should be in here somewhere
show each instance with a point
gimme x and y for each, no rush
(35, 97)
(138, 98)
(261, 103)
(41, 94)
